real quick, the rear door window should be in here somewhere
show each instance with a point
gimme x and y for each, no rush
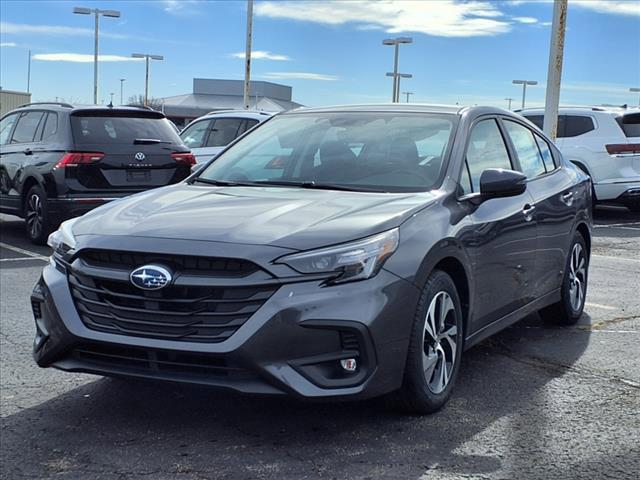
(5, 127)
(25, 130)
(224, 131)
(575, 125)
(526, 148)
(123, 130)
(50, 126)
(195, 135)
(545, 151)
(486, 149)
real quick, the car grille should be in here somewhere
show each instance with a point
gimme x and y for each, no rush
(208, 301)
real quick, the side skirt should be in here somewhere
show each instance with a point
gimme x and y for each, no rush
(511, 318)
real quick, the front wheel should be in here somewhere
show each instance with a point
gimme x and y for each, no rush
(435, 347)
(574, 286)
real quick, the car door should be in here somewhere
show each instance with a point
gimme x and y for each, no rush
(552, 189)
(17, 153)
(504, 234)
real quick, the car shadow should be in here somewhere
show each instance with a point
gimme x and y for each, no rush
(110, 427)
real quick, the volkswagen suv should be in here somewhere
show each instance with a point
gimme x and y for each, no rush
(57, 161)
(333, 253)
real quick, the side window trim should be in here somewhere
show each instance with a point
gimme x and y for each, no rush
(465, 164)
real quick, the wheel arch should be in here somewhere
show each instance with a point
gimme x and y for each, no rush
(583, 229)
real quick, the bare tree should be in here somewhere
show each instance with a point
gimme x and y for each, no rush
(138, 101)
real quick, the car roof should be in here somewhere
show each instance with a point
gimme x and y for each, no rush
(253, 114)
(383, 107)
(67, 107)
(575, 110)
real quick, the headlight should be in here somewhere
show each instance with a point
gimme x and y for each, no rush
(62, 240)
(350, 261)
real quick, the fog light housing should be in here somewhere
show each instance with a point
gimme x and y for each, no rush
(349, 364)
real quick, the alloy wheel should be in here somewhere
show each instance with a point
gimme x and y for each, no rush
(34, 215)
(440, 342)
(577, 277)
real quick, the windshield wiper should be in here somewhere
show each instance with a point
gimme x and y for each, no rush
(218, 183)
(317, 186)
(148, 141)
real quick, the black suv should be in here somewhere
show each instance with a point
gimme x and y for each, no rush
(58, 161)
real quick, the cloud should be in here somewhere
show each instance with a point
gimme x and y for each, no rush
(81, 58)
(615, 89)
(528, 20)
(445, 18)
(300, 76)
(620, 7)
(8, 44)
(262, 55)
(23, 28)
(181, 8)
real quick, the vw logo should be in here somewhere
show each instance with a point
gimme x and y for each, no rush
(140, 156)
(150, 277)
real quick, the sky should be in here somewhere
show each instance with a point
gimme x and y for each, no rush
(465, 52)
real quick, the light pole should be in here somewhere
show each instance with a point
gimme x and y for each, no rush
(29, 73)
(147, 56)
(524, 84)
(635, 90)
(554, 69)
(96, 12)
(247, 56)
(509, 99)
(396, 42)
(121, 89)
(407, 94)
(111, 99)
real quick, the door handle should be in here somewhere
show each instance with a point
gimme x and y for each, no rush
(27, 151)
(568, 198)
(527, 211)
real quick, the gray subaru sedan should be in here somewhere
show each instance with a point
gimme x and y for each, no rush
(332, 253)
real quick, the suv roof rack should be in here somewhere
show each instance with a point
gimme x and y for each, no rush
(61, 104)
(238, 110)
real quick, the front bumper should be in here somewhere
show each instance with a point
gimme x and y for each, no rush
(292, 345)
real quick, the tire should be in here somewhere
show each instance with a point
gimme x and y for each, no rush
(36, 215)
(573, 292)
(432, 365)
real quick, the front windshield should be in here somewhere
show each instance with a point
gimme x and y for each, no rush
(367, 151)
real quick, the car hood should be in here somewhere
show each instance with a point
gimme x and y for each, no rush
(292, 218)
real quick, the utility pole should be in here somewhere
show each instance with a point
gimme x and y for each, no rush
(247, 55)
(524, 84)
(508, 99)
(554, 73)
(121, 89)
(395, 96)
(96, 12)
(29, 73)
(407, 94)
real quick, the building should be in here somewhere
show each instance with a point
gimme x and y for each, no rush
(10, 99)
(210, 94)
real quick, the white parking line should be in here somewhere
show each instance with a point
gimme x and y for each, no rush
(597, 305)
(22, 259)
(618, 225)
(22, 251)
(620, 259)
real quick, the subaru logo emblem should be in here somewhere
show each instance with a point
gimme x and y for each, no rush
(150, 277)
(140, 156)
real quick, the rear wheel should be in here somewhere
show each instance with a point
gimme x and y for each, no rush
(574, 286)
(435, 348)
(36, 214)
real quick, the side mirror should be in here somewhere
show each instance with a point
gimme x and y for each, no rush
(499, 182)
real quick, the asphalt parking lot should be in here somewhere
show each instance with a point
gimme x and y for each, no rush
(535, 402)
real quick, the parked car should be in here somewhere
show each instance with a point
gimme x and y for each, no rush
(58, 161)
(208, 135)
(603, 143)
(334, 253)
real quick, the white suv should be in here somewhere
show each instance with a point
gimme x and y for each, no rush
(208, 135)
(605, 144)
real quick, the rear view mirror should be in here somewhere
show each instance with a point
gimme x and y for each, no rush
(499, 182)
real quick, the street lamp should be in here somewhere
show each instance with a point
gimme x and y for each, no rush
(635, 90)
(147, 56)
(121, 89)
(396, 79)
(96, 12)
(524, 84)
(509, 99)
(407, 94)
